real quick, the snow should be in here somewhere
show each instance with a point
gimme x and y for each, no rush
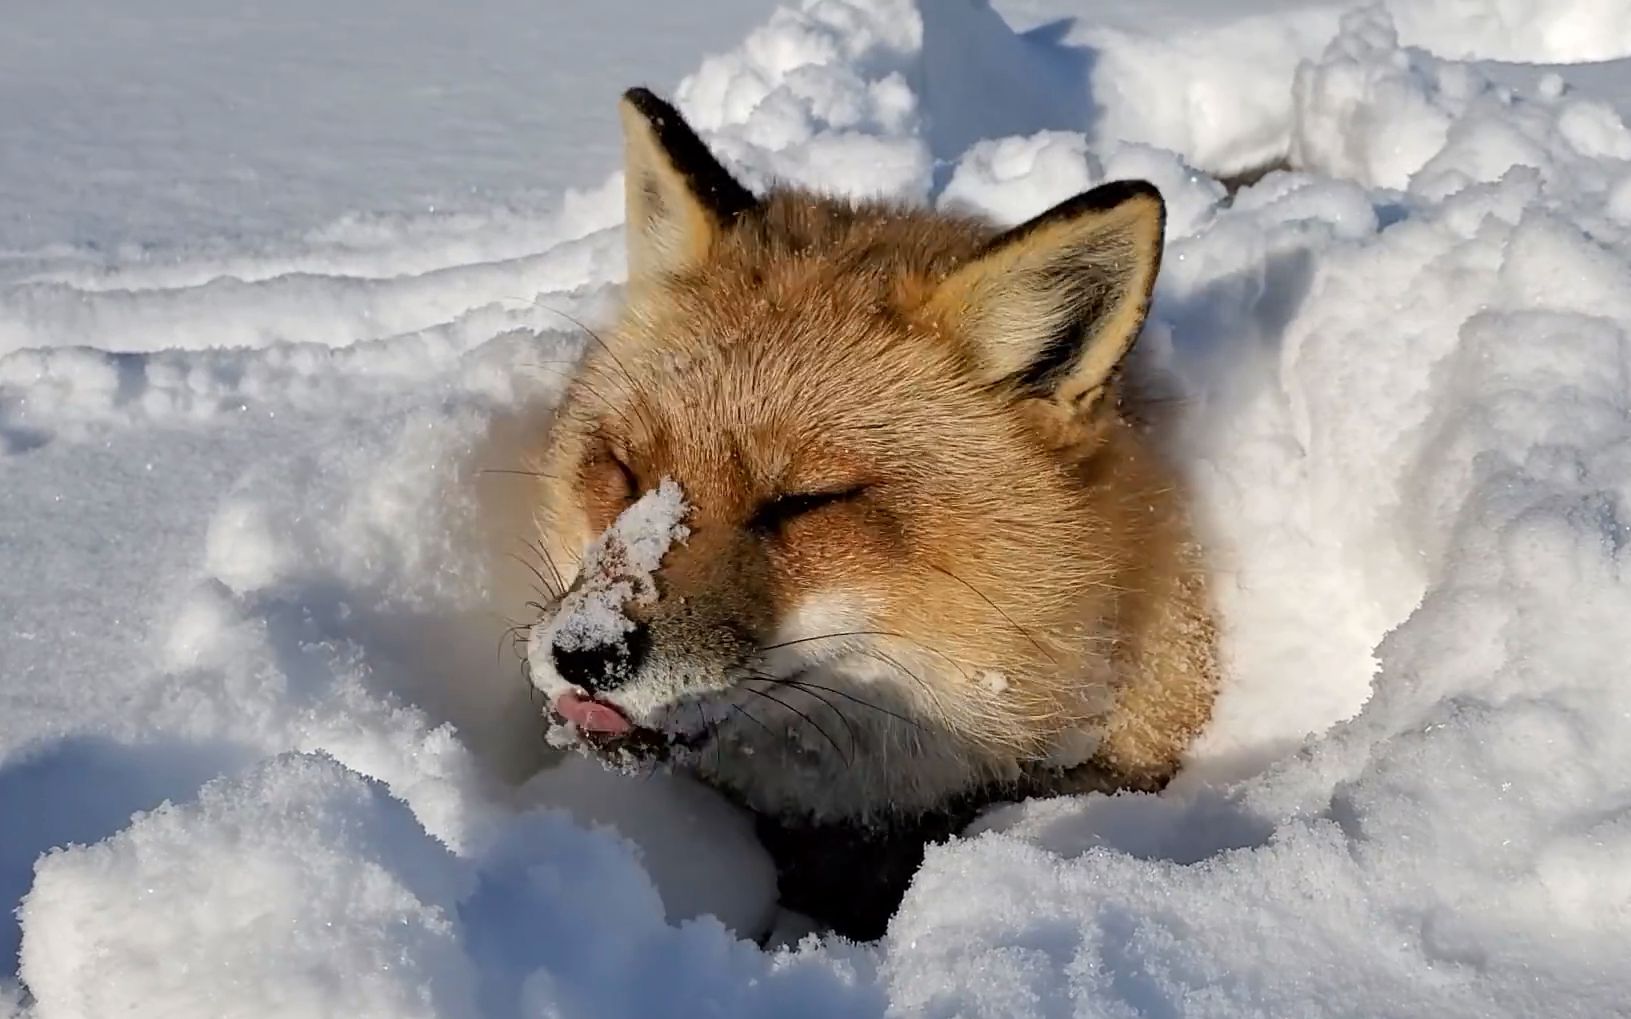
(258, 755)
(305, 128)
(332, 878)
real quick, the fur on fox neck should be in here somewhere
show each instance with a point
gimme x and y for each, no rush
(929, 552)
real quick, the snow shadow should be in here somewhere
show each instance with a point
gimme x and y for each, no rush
(1183, 825)
(455, 666)
(19, 438)
(15, 435)
(1240, 313)
(82, 789)
(982, 80)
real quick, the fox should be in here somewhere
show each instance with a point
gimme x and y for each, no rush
(920, 550)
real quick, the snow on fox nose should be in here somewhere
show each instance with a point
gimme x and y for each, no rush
(601, 666)
(590, 645)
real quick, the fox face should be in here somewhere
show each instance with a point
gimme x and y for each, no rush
(850, 512)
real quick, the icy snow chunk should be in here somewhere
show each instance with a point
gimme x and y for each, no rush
(1368, 110)
(245, 547)
(1013, 179)
(617, 571)
(1400, 118)
(1009, 180)
(201, 628)
(1619, 201)
(818, 96)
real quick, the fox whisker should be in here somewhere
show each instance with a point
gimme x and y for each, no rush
(549, 562)
(840, 634)
(803, 684)
(745, 713)
(544, 588)
(997, 609)
(854, 741)
(812, 722)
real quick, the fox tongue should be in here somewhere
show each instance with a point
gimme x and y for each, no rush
(591, 715)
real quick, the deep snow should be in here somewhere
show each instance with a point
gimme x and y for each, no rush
(243, 429)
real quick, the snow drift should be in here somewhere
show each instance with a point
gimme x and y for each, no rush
(243, 602)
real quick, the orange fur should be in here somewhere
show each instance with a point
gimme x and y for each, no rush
(1013, 567)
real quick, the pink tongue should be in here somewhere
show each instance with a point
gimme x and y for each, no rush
(591, 716)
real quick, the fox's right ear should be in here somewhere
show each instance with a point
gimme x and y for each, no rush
(1053, 305)
(677, 196)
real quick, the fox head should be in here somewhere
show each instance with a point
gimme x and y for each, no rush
(902, 493)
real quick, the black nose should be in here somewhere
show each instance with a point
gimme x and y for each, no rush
(599, 667)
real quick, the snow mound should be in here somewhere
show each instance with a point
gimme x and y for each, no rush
(302, 889)
(819, 96)
(1533, 31)
(1440, 474)
(298, 890)
(257, 738)
(1380, 115)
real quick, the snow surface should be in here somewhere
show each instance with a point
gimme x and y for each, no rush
(243, 429)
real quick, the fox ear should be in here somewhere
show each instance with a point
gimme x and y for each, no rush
(1054, 304)
(677, 196)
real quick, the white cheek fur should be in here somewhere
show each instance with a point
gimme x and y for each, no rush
(809, 633)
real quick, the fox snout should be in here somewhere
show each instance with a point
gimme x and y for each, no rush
(604, 665)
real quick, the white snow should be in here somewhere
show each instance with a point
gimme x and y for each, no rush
(379, 130)
(247, 378)
(329, 877)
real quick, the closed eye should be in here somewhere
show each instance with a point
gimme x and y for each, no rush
(608, 476)
(776, 512)
(631, 481)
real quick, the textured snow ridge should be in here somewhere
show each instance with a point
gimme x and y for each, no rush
(258, 756)
(1457, 458)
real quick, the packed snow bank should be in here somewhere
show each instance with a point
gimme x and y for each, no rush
(311, 855)
(1460, 127)
(1419, 432)
(1209, 79)
(1533, 31)
(301, 889)
(248, 582)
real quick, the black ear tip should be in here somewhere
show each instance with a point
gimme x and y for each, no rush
(1119, 192)
(648, 104)
(1102, 199)
(685, 153)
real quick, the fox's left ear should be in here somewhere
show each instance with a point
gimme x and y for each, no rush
(677, 196)
(1054, 304)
